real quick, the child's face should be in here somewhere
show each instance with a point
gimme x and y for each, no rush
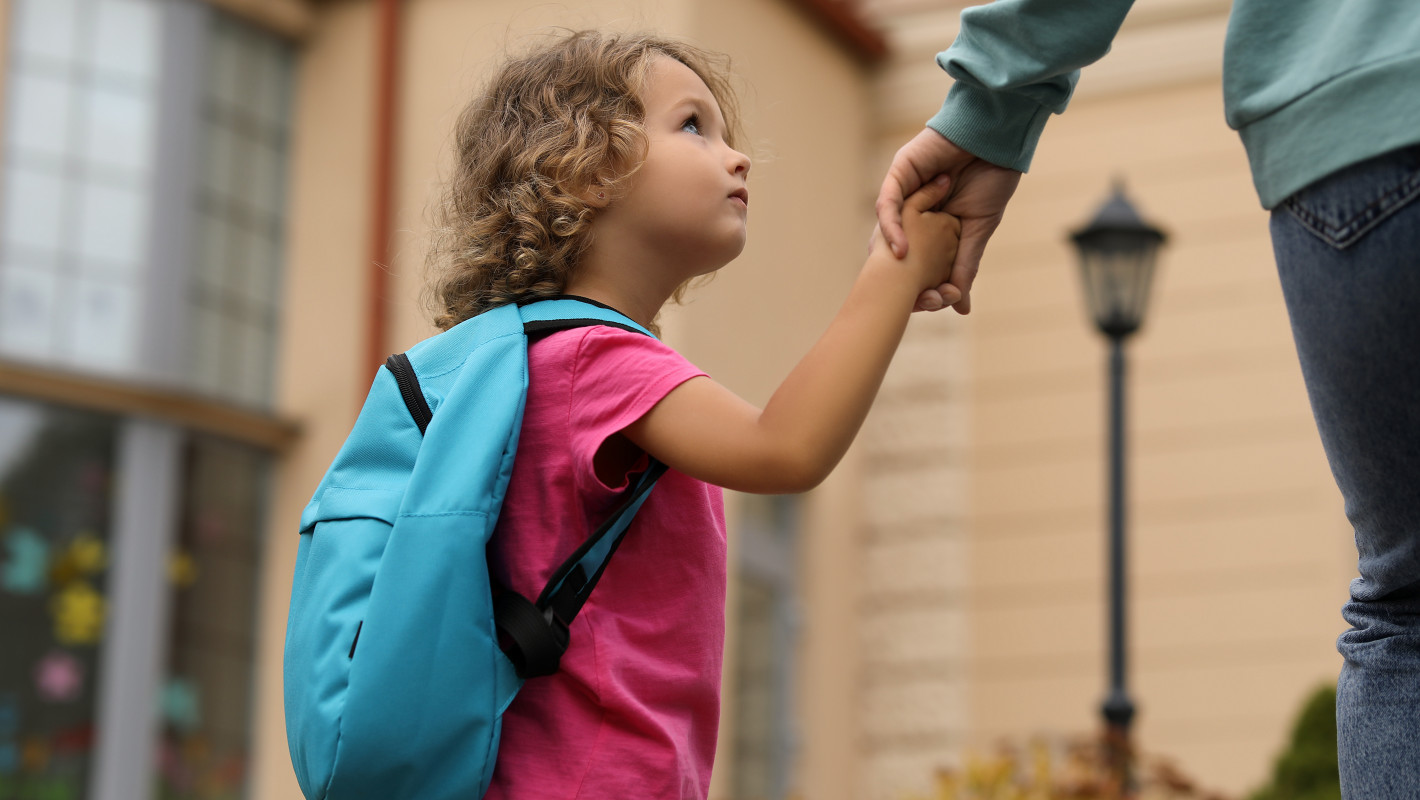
(689, 199)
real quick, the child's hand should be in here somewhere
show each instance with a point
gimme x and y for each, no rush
(932, 238)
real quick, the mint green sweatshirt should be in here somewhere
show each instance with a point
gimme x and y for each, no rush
(1311, 85)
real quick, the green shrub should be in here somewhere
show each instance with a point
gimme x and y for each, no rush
(1307, 769)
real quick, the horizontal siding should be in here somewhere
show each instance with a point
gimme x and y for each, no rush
(1238, 548)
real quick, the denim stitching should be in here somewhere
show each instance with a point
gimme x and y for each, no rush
(1343, 235)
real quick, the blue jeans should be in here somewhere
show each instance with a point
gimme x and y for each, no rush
(1348, 253)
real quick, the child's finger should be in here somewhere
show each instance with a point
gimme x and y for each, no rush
(931, 193)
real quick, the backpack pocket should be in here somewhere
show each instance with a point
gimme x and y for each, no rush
(428, 683)
(336, 563)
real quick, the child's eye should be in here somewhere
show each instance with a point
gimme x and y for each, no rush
(692, 124)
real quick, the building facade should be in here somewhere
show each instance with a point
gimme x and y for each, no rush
(1240, 553)
(212, 230)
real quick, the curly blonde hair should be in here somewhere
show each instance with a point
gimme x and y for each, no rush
(511, 225)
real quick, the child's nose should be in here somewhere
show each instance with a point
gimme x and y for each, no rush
(739, 164)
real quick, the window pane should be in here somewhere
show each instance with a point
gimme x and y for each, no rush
(34, 208)
(272, 87)
(267, 342)
(260, 277)
(113, 223)
(213, 577)
(41, 107)
(212, 254)
(47, 28)
(105, 326)
(206, 354)
(256, 363)
(264, 179)
(252, 282)
(27, 320)
(756, 696)
(56, 470)
(764, 629)
(126, 38)
(218, 159)
(224, 65)
(119, 130)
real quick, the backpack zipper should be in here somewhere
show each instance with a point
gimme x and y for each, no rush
(357, 638)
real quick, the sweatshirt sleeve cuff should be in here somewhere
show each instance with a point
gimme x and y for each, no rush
(996, 126)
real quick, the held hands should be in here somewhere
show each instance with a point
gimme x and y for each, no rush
(934, 236)
(979, 192)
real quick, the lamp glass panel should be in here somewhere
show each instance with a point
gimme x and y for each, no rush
(1117, 269)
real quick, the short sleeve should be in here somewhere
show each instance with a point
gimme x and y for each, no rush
(618, 376)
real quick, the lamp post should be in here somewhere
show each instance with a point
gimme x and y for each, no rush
(1117, 253)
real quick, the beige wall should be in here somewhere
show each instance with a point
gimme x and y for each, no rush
(449, 45)
(1240, 553)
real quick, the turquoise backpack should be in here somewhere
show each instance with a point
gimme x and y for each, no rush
(401, 654)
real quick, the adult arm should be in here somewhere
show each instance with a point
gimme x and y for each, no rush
(1014, 63)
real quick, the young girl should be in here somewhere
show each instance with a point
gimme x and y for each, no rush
(604, 167)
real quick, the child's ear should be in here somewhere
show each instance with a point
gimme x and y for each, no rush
(596, 195)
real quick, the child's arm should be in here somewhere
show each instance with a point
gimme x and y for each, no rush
(705, 431)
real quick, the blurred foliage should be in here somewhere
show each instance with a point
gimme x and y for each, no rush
(1307, 769)
(1065, 769)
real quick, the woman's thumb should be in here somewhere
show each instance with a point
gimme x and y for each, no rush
(931, 193)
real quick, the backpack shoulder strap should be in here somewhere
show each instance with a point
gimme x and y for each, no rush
(539, 631)
(534, 635)
(570, 311)
(410, 390)
(562, 312)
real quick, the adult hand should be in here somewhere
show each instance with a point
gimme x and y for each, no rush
(934, 235)
(978, 195)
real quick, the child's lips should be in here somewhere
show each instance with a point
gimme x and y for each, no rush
(741, 195)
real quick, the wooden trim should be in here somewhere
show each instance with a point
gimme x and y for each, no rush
(846, 25)
(382, 169)
(126, 399)
(292, 19)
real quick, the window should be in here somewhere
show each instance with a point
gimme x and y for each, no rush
(56, 479)
(78, 179)
(130, 549)
(141, 230)
(241, 204)
(206, 694)
(117, 261)
(765, 628)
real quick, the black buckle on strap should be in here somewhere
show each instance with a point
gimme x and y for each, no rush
(534, 640)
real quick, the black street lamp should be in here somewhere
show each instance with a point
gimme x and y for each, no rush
(1117, 254)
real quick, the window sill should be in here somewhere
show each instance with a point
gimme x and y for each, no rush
(120, 398)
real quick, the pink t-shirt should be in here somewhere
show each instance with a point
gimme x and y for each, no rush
(634, 709)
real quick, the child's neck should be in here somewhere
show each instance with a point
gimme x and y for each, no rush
(630, 279)
(641, 306)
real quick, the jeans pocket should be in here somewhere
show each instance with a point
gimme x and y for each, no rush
(1343, 207)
